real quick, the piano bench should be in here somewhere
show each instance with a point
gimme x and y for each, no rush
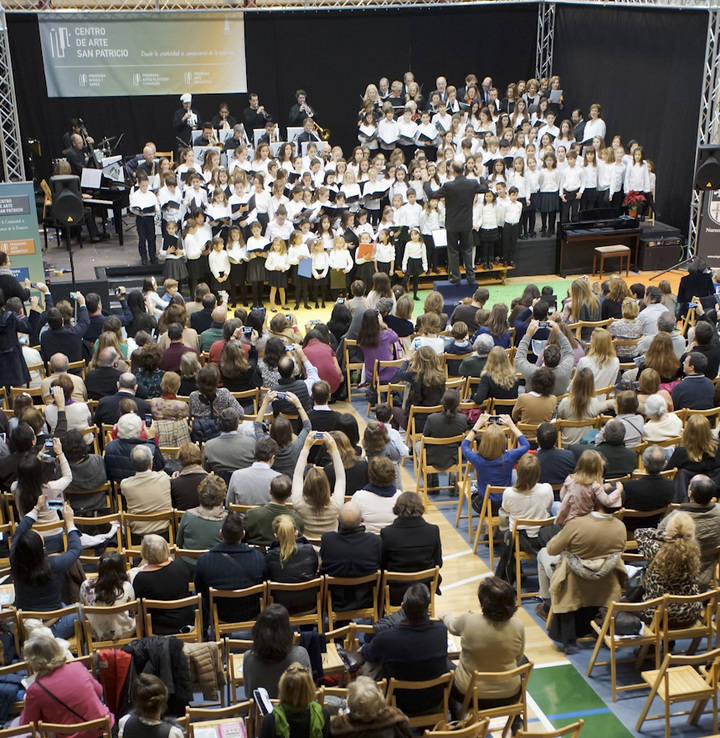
(617, 251)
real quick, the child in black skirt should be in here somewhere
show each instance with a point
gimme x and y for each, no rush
(365, 259)
(237, 253)
(172, 249)
(256, 249)
(414, 260)
(299, 258)
(276, 268)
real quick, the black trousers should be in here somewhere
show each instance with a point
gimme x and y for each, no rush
(146, 236)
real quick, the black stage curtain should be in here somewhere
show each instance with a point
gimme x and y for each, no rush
(331, 55)
(645, 68)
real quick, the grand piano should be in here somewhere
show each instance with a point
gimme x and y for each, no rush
(113, 193)
(577, 241)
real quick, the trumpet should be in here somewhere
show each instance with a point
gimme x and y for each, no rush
(324, 133)
(264, 113)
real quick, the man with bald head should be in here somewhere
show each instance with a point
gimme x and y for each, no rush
(102, 380)
(58, 364)
(108, 409)
(350, 552)
(215, 331)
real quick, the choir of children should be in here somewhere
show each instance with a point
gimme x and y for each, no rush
(295, 218)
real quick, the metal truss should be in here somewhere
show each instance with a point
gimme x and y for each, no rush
(10, 142)
(255, 6)
(545, 39)
(708, 119)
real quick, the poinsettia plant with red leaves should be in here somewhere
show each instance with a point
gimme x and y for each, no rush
(634, 199)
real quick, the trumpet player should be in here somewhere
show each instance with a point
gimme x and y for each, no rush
(255, 115)
(300, 111)
(186, 119)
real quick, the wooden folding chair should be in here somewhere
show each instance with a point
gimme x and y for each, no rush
(50, 617)
(704, 627)
(251, 394)
(521, 555)
(490, 521)
(28, 729)
(351, 366)
(425, 576)
(678, 681)
(256, 596)
(578, 327)
(435, 715)
(315, 616)
(51, 730)
(465, 498)
(234, 651)
(34, 392)
(507, 711)
(648, 637)
(162, 516)
(370, 581)
(194, 635)
(131, 608)
(572, 730)
(386, 388)
(561, 423)
(473, 729)
(425, 468)
(412, 435)
(201, 717)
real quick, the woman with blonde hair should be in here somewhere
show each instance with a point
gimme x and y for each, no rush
(661, 357)
(582, 305)
(584, 486)
(429, 327)
(434, 303)
(498, 378)
(674, 568)
(311, 496)
(62, 689)
(427, 384)
(369, 714)
(493, 462)
(107, 339)
(628, 328)
(497, 325)
(291, 559)
(298, 715)
(581, 404)
(698, 450)
(601, 359)
(618, 291)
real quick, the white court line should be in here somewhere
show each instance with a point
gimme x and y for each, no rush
(457, 555)
(539, 714)
(476, 578)
(550, 663)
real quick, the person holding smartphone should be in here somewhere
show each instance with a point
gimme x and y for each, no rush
(34, 480)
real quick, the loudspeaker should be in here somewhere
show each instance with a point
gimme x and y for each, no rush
(707, 176)
(67, 201)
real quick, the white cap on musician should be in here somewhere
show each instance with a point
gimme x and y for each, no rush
(186, 98)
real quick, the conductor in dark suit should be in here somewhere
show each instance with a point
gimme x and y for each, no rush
(459, 194)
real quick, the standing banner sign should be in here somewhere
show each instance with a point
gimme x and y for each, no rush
(19, 236)
(708, 237)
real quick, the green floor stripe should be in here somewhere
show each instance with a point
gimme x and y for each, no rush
(561, 691)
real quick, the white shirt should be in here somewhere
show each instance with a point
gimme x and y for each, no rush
(572, 180)
(388, 131)
(384, 253)
(518, 180)
(594, 128)
(218, 261)
(236, 252)
(409, 215)
(320, 264)
(140, 200)
(194, 243)
(297, 252)
(549, 180)
(166, 195)
(513, 212)
(637, 177)
(616, 172)
(278, 230)
(196, 198)
(648, 317)
(277, 262)
(415, 250)
(485, 216)
(590, 177)
(376, 511)
(340, 259)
